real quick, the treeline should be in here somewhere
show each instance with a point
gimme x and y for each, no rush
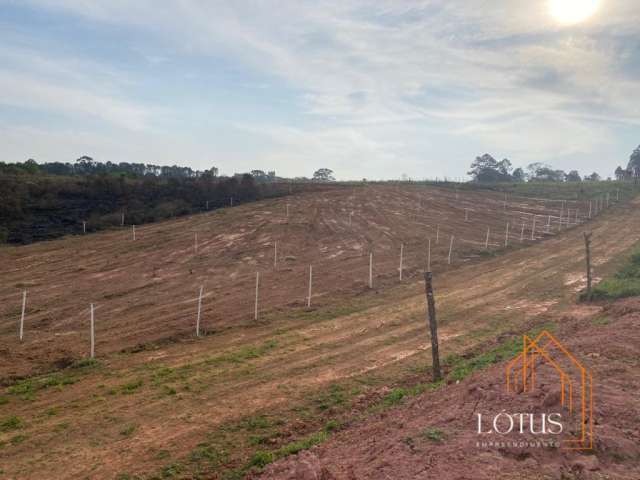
(36, 204)
(486, 169)
(88, 166)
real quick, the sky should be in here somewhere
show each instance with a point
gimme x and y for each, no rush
(371, 90)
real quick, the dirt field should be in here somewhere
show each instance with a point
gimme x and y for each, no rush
(160, 403)
(145, 290)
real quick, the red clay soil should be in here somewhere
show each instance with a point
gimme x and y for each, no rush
(145, 290)
(434, 436)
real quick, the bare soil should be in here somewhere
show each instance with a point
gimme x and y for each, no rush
(435, 435)
(158, 393)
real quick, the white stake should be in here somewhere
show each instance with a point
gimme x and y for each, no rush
(195, 242)
(84, 227)
(590, 207)
(577, 212)
(275, 254)
(466, 214)
(133, 231)
(450, 250)
(437, 234)
(401, 255)
(93, 341)
(122, 220)
(429, 256)
(207, 204)
(350, 216)
(255, 311)
(199, 311)
(549, 224)
(371, 270)
(24, 309)
(506, 236)
(533, 229)
(522, 234)
(486, 242)
(287, 209)
(231, 201)
(310, 283)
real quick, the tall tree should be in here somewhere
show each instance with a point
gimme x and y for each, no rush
(324, 175)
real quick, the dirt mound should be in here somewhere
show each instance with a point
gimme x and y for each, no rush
(435, 435)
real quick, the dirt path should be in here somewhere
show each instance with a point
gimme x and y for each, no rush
(217, 378)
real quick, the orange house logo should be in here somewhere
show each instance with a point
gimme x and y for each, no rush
(575, 381)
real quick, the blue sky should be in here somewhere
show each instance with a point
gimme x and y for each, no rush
(369, 89)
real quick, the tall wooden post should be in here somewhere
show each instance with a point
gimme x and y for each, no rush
(433, 325)
(506, 236)
(486, 242)
(371, 270)
(587, 244)
(401, 258)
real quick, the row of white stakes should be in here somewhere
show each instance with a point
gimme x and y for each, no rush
(310, 283)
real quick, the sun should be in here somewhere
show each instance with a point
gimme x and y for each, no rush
(573, 11)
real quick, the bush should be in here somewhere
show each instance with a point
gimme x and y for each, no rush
(625, 283)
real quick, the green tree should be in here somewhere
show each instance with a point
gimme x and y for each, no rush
(574, 176)
(323, 175)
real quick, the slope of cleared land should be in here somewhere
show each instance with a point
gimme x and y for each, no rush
(435, 434)
(145, 290)
(159, 403)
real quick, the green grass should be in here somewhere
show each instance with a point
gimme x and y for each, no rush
(128, 430)
(11, 423)
(433, 434)
(625, 283)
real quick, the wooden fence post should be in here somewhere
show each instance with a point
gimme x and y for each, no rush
(401, 258)
(450, 249)
(486, 242)
(429, 255)
(433, 325)
(506, 236)
(371, 270)
(587, 244)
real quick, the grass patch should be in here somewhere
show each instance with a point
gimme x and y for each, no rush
(11, 423)
(244, 354)
(131, 387)
(28, 387)
(625, 283)
(433, 434)
(128, 430)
